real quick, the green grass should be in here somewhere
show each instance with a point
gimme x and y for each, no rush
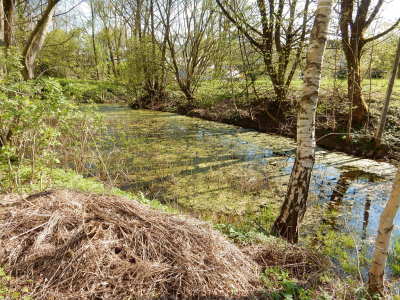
(394, 257)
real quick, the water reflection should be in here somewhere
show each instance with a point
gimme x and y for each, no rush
(206, 166)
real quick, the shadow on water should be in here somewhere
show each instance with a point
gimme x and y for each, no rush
(202, 166)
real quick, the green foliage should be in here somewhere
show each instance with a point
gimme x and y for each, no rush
(340, 247)
(61, 56)
(85, 91)
(284, 287)
(235, 234)
(394, 257)
(38, 124)
(29, 112)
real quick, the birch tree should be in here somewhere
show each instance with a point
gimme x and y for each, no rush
(386, 225)
(382, 122)
(294, 207)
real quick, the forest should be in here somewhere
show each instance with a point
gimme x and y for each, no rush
(199, 149)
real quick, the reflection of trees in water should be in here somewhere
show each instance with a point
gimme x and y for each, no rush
(337, 197)
(338, 194)
(366, 217)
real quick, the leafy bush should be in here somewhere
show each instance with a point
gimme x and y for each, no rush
(35, 118)
(85, 91)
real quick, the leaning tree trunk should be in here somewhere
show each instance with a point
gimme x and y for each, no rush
(382, 122)
(36, 40)
(293, 209)
(2, 37)
(386, 225)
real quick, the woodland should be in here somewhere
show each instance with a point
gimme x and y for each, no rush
(92, 98)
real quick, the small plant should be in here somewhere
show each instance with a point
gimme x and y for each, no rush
(284, 287)
(394, 257)
(237, 235)
(7, 292)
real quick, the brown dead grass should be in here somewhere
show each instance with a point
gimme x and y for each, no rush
(89, 246)
(303, 264)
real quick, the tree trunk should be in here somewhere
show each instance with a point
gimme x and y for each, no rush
(2, 36)
(36, 40)
(9, 11)
(96, 59)
(2, 25)
(355, 18)
(360, 107)
(294, 207)
(386, 225)
(382, 122)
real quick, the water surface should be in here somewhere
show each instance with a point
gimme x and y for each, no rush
(211, 167)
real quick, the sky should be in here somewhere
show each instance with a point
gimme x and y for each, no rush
(390, 10)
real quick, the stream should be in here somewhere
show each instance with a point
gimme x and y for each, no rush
(207, 167)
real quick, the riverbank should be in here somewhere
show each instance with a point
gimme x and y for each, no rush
(256, 116)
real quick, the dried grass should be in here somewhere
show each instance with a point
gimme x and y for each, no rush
(88, 246)
(303, 264)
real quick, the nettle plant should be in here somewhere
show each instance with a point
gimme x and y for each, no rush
(34, 115)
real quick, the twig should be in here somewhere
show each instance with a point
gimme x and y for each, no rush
(333, 133)
(15, 237)
(357, 253)
(6, 89)
(46, 71)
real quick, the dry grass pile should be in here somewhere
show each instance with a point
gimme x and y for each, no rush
(303, 264)
(88, 246)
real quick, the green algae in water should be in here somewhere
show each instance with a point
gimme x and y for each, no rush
(207, 166)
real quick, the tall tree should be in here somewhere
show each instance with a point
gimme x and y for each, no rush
(191, 44)
(353, 32)
(93, 38)
(147, 57)
(287, 224)
(382, 122)
(386, 225)
(9, 20)
(278, 33)
(2, 36)
(36, 40)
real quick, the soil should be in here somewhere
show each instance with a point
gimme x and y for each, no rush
(264, 118)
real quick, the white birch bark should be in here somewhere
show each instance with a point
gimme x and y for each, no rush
(386, 225)
(294, 207)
